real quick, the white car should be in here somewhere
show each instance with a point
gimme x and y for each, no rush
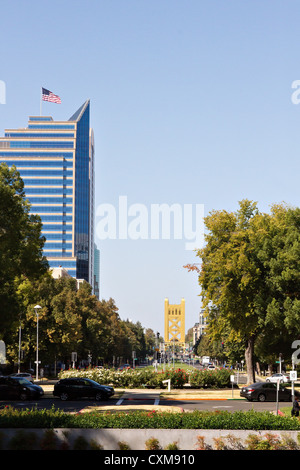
(281, 377)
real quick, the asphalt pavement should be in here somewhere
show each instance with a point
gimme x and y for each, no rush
(173, 400)
(155, 395)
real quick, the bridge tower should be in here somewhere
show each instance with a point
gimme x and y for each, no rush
(175, 323)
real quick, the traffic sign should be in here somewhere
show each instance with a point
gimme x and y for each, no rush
(293, 375)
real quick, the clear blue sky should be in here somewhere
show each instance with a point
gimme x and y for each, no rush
(190, 104)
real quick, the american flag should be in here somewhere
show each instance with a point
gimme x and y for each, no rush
(49, 96)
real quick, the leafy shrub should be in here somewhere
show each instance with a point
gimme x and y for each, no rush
(219, 378)
(50, 419)
(152, 444)
(234, 442)
(95, 446)
(140, 378)
(201, 444)
(270, 442)
(172, 446)
(123, 445)
(219, 443)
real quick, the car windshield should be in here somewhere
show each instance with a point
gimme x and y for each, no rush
(21, 380)
(91, 382)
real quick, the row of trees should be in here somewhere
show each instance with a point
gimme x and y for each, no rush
(249, 276)
(70, 319)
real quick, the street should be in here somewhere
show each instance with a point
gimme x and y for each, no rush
(132, 400)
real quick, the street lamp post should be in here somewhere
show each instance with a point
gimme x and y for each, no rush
(19, 356)
(36, 309)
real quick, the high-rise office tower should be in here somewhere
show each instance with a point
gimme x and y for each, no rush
(56, 162)
(96, 271)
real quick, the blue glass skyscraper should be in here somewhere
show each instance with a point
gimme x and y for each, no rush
(56, 162)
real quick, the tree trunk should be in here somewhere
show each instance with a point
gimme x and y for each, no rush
(249, 360)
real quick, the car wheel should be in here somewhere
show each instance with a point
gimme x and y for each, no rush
(268, 380)
(64, 396)
(23, 396)
(99, 396)
(261, 397)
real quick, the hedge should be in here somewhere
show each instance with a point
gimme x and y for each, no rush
(239, 420)
(143, 378)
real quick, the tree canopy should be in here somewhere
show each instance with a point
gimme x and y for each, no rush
(250, 276)
(71, 318)
(21, 243)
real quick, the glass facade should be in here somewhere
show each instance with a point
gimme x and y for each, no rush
(56, 162)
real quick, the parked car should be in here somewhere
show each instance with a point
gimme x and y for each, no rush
(69, 388)
(25, 375)
(267, 391)
(281, 377)
(19, 388)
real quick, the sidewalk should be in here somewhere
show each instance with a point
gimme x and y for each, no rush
(200, 394)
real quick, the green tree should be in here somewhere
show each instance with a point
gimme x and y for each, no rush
(230, 278)
(115, 339)
(278, 238)
(59, 318)
(21, 245)
(150, 341)
(95, 324)
(250, 276)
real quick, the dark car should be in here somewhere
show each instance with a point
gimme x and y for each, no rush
(81, 388)
(19, 388)
(266, 391)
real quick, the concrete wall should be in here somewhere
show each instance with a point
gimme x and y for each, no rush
(109, 439)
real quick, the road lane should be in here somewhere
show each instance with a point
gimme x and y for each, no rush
(152, 399)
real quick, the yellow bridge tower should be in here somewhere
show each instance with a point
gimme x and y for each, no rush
(175, 323)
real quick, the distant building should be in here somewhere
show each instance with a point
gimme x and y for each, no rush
(58, 273)
(199, 327)
(56, 162)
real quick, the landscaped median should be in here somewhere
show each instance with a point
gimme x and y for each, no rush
(149, 378)
(54, 429)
